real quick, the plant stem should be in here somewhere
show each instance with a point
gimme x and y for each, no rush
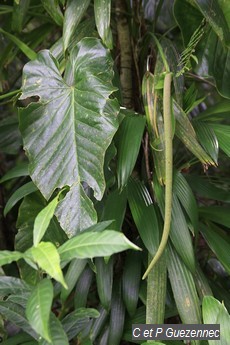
(125, 54)
(9, 94)
(168, 170)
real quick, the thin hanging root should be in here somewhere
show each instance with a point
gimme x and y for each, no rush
(168, 170)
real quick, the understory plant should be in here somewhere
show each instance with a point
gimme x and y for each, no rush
(114, 189)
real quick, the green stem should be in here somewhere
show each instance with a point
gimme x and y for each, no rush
(168, 170)
(9, 94)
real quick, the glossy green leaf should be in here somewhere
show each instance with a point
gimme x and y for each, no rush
(222, 133)
(131, 281)
(202, 284)
(75, 321)
(38, 308)
(215, 313)
(29, 209)
(184, 289)
(185, 132)
(99, 323)
(215, 111)
(16, 314)
(156, 297)
(43, 219)
(12, 285)
(10, 138)
(179, 232)
(104, 279)
(186, 198)
(20, 338)
(219, 245)
(21, 45)
(75, 10)
(19, 194)
(74, 271)
(93, 244)
(102, 10)
(144, 214)
(128, 139)
(82, 108)
(57, 333)
(54, 11)
(208, 139)
(47, 258)
(18, 15)
(117, 316)
(114, 208)
(214, 15)
(204, 187)
(6, 257)
(18, 171)
(218, 214)
(82, 288)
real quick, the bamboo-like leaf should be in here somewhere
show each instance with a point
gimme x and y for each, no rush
(47, 257)
(222, 133)
(76, 119)
(179, 232)
(114, 208)
(12, 285)
(208, 139)
(219, 245)
(75, 10)
(21, 45)
(128, 139)
(203, 187)
(104, 279)
(215, 313)
(102, 10)
(214, 15)
(93, 244)
(218, 214)
(99, 323)
(6, 257)
(54, 11)
(186, 198)
(156, 297)
(117, 316)
(185, 132)
(38, 308)
(17, 171)
(16, 314)
(18, 16)
(82, 288)
(144, 214)
(74, 271)
(131, 281)
(10, 138)
(184, 289)
(75, 321)
(19, 194)
(43, 219)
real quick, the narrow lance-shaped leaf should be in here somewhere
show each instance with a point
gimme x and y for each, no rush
(102, 10)
(19, 194)
(38, 308)
(47, 257)
(54, 10)
(43, 219)
(93, 244)
(67, 132)
(6, 257)
(75, 10)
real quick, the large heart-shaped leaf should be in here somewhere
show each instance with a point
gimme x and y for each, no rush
(67, 132)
